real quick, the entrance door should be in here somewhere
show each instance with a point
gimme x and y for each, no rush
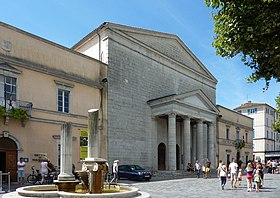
(8, 156)
(161, 156)
(177, 157)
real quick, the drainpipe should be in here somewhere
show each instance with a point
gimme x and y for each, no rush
(99, 47)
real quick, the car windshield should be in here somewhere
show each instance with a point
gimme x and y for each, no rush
(136, 167)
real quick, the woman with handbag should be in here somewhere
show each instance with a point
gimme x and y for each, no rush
(223, 175)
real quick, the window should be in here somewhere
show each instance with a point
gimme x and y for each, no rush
(256, 110)
(266, 121)
(227, 133)
(64, 96)
(248, 111)
(8, 90)
(239, 111)
(246, 137)
(228, 159)
(63, 100)
(237, 134)
(267, 134)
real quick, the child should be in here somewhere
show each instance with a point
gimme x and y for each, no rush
(239, 177)
(258, 180)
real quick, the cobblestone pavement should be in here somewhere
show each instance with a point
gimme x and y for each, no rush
(193, 187)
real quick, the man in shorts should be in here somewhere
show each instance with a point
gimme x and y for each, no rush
(21, 165)
(233, 168)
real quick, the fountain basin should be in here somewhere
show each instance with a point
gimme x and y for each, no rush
(52, 191)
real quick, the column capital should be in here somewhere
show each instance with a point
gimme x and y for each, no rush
(186, 117)
(154, 118)
(172, 115)
(200, 121)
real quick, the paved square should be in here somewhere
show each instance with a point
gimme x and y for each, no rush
(193, 187)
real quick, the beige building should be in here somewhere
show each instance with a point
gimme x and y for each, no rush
(42, 86)
(234, 136)
(266, 141)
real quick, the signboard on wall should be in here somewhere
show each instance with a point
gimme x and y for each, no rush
(39, 156)
(83, 144)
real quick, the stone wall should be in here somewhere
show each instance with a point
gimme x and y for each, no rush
(134, 78)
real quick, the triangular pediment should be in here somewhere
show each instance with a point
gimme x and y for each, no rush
(198, 99)
(170, 46)
(194, 99)
(7, 67)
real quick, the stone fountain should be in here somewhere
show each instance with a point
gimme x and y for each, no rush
(94, 169)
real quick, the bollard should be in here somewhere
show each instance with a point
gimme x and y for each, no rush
(1, 188)
(9, 181)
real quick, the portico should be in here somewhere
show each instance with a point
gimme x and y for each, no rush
(185, 124)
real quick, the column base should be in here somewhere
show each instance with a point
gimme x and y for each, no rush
(66, 177)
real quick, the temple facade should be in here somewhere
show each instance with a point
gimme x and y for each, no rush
(161, 98)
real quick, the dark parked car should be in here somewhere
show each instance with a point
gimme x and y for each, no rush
(134, 172)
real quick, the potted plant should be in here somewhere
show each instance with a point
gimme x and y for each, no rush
(239, 144)
(19, 114)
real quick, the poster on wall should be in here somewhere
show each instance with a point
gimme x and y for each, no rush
(83, 144)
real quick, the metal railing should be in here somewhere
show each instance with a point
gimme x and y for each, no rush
(18, 104)
(1, 181)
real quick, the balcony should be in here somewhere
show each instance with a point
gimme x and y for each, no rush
(239, 144)
(17, 109)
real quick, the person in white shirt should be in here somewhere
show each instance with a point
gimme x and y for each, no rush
(223, 174)
(115, 171)
(44, 169)
(233, 168)
(21, 165)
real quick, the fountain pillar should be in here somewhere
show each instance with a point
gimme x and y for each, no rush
(95, 167)
(66, 153)
(93, 135)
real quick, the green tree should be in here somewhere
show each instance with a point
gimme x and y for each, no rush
(276, 125)
(250, 28)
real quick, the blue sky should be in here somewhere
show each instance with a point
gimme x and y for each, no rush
(67, 21)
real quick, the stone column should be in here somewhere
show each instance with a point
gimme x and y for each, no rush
(205, 140)
(66, 153)
(172, 141)
(154, 143)
(212, 147)
(194, 135)
(187, 142)
(93, 135)
(200, 140)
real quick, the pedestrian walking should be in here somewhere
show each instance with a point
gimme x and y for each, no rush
(197, 168)
(208, 168)
(44, 169)
(233, 167)
(249, 176)
(239, 177)
(258, 180)
(218, 169)
(223, 175)
(115, 171)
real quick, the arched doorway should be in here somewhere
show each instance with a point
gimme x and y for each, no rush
(177, 157)
(8, 157)
(161, 156)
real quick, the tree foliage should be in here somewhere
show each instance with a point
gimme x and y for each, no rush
(250, 28)
(276, 125)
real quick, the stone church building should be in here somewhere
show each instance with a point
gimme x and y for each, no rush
(161, 99)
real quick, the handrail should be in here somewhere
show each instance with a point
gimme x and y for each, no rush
(17, 104)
